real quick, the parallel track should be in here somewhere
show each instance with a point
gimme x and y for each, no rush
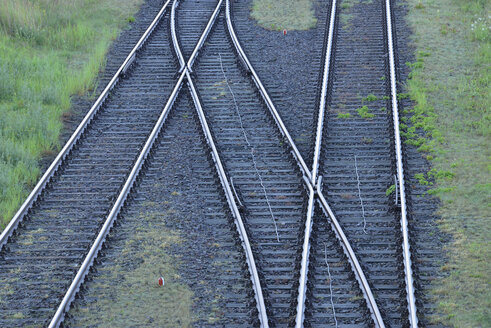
(266, 183)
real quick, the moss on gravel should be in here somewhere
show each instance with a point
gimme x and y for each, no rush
(277, 15)
(451, 125)
(133, 297)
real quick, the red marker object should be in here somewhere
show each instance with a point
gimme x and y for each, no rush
(284, 32)
(161, 281)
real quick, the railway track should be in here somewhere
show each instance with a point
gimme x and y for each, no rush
(362, 155)
(305, 264)
(381, 246)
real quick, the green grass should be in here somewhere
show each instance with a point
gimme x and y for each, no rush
(343, 115)
(132, 296)
(277, 15)
(364, 112)
(345, 15)
(370, 97)
(451, 125)
(389, 191)
(49, 51)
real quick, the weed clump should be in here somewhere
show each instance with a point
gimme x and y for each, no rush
(370, 97)
(390, 190)
(344, 115)
(364, 112)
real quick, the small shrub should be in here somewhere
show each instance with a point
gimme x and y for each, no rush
(440, 190)
(441, 174)
(424, 53)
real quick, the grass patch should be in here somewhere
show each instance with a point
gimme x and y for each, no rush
(49, 51)
(127, 290)
(451, 125)
(277, 15)
(345, 15)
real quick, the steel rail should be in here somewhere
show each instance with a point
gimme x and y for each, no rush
(175, 41)
(323, 98)
(265, 96)
(115, 210)
(203, 37)
(355, 264)
(304, 266)
(226, 185)
(411, 299)
(19, 215)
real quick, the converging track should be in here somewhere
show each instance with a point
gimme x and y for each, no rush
(51, 252)
(318, 304)
(292, 245)
(378, 246)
